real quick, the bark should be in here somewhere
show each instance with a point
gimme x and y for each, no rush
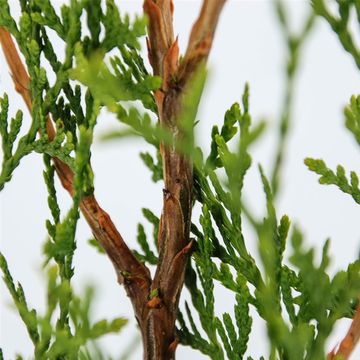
(155, 302)
(158, 329)
(347, 345)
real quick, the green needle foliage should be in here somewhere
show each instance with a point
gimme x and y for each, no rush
(294, 44)
(340, 22)
(66, 330)
(293, 293)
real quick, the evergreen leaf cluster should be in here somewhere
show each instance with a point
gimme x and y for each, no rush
(101, 67)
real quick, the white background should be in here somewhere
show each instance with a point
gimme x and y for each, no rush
(248, 47)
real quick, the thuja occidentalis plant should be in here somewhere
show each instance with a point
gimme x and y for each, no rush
(294, 295)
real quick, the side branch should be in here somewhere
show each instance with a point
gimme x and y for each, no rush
(201, 38)
(17, 69)
(130, 271)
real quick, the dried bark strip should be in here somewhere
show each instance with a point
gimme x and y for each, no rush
(137, 283)
(158, 329)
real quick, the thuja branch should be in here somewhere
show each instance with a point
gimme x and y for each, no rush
(155, 303)
(294, 43)
(174, 243)
(137, 278)
(340, 23)
(300, 305)
(201, 38)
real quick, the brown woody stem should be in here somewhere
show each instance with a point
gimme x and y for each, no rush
(157, 315)
(137, 281)
(347, 345)
(158, 329)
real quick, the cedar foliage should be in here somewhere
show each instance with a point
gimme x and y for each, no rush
(295, 295)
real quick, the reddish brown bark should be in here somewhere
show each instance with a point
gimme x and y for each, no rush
(174, 243)
(157, 315)
(347, 345)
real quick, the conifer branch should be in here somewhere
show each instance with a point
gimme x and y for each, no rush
(295, 296)
(173, 237)
(201, 37)
(161, 33)
(20, 76)
(129, 270)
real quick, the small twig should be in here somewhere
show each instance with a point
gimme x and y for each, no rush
(137, 283)
(201, 38)
(294, 44)
(350, 340)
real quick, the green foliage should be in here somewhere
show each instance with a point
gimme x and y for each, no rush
(329, 177)
(154, 166)
(294, 44)
(352, 117)
(11, 159)
(50, 340)
(349, 185)
(148, 255)
(120, 86)
(17, 293)
(93, 242)
(340, 22)
(65, 329)
(155, 221)
(293, 294)
(297, 317)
